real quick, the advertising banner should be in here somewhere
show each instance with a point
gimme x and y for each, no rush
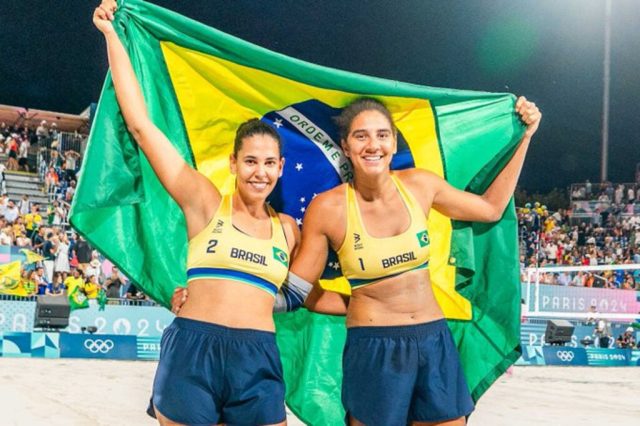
(148, 348)
(555, 298)
(65, 345)
(564, 355)
(102, 346)
(609, 357)
(29, 345)
(533, 334)
(143, 321)
(531, 355)
(16, 315)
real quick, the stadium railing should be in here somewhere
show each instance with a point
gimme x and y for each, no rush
(612, 304)
(110, 301)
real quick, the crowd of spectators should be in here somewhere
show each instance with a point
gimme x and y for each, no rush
(59, 174)
(617, 194)
(56, 165)
(15, 142)
(552, 238)
(69, 262)
(22, 223)
(627, 339)
(88, 279)
(602, 336)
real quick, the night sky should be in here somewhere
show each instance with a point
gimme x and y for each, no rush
(551, 51)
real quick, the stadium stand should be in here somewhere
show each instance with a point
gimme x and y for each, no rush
(40, 157)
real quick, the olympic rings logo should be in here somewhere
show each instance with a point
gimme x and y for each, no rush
(565, 356)
(99, 345)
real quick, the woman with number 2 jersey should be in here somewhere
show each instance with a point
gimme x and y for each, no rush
(219, 362)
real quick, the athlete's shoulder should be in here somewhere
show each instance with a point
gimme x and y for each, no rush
(329, 197)
(287, 221)
(291, 230)
(326, 207)
(422, 184)
(416, 176)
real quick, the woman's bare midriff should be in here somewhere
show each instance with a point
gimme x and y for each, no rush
(403, 300)
(229, 303)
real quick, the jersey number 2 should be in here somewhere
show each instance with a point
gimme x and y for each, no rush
(211, 246)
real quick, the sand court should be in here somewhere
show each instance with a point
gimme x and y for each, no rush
(94, 392)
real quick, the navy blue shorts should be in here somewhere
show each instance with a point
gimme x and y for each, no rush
(210, 374)
(396, 375)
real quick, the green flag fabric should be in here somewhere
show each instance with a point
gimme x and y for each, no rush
(199, 84)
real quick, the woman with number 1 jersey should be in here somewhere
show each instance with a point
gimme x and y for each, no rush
(219, 362)
(400, 364)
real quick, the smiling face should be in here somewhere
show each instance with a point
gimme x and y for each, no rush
(257, 166)
(370, 143)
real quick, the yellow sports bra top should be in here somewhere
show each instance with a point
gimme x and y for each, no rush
(365, 259)
(221, 251)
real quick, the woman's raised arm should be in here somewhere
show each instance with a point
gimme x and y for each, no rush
(195, 194)
(489, 206)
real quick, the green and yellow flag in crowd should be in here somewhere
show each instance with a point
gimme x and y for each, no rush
(200, 84)
(11, 281)
(77, 298)
(31, 256)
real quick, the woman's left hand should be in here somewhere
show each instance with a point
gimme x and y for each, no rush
(178, 299)
(529, 114)
(103, 16)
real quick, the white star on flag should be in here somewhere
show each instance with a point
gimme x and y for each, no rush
(302, 199)
(302, 209)
(298, 166)
(278, 122)
(315, 195)
(298, 221)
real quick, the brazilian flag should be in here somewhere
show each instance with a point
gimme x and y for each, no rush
(77, 299)
(11, 281)
(199, 84)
